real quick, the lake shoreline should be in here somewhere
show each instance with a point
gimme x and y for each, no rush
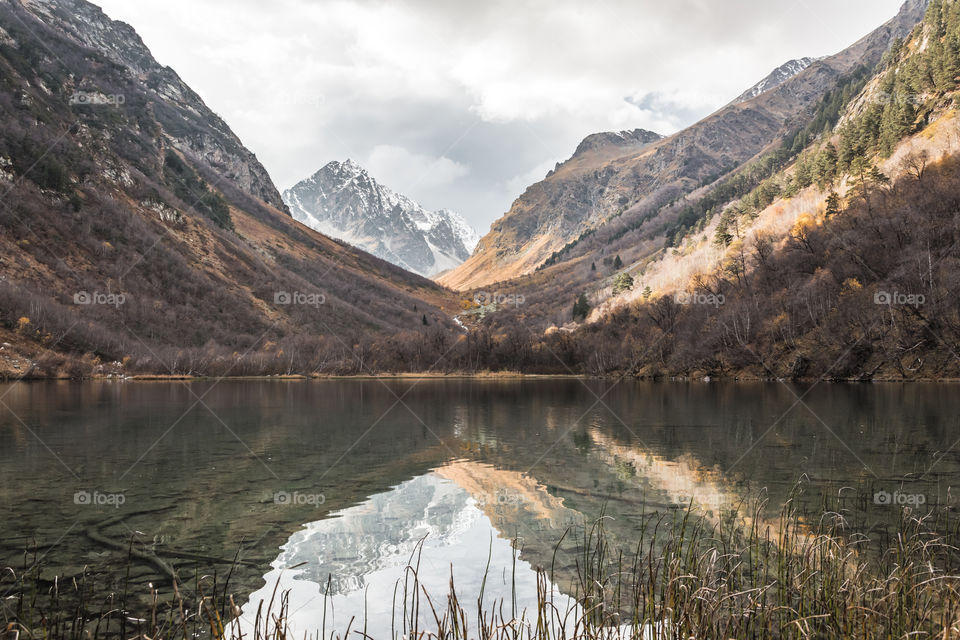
(485, 375)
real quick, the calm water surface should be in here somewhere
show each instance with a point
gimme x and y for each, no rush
(346, 480)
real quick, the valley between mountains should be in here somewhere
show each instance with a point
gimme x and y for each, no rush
(807, 230)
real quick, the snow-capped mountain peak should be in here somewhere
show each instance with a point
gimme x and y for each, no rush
(343, 201)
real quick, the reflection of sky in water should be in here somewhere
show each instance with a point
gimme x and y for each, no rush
(364, 551)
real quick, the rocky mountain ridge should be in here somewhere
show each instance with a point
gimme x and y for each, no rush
(777, 77)
(631, 185)
(188, 124)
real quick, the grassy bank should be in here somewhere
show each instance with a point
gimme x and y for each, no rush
(805, 575)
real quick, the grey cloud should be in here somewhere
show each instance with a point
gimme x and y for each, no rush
(670, 110)
(500, 89)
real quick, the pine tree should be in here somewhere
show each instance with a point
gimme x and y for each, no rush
(942, 78)
(617, 262)
(723, 237)
(897, 121)
(833, 204)
(623, 282)
(909, 75)
(791, 188)
(869, 129)
(804, 173)
(593, 266)
(825, 170)
(952, 59)
(581, 307)
(848, 148)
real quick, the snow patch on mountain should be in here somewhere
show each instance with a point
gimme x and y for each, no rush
(777, 77)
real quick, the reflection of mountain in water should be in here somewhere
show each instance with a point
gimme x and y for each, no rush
(381, 532)
(364, 551)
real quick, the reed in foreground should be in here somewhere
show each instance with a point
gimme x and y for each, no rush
(685, 576)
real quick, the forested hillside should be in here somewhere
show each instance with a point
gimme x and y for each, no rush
(862, 282)
(138, 234)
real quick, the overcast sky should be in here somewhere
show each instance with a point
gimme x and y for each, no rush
(463, 104)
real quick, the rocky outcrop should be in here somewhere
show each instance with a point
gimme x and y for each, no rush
(616, 139)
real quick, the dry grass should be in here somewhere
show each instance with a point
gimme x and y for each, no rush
(683, 578)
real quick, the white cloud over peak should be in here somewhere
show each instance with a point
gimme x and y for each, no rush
(390, 164)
